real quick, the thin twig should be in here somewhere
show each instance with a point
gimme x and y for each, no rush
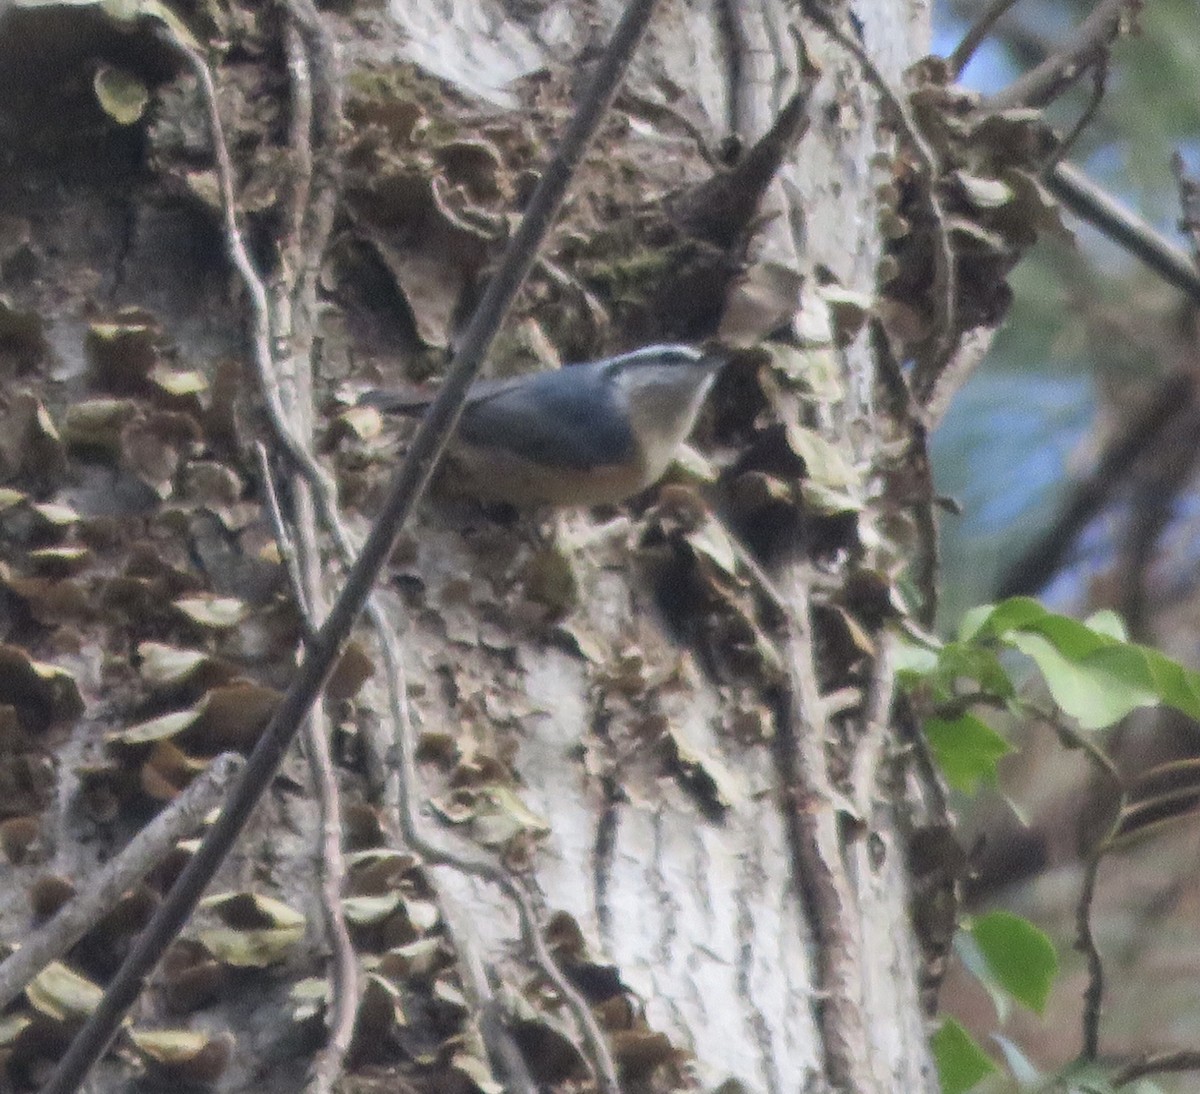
(478, 990)
(146, 850)
(1028, 44)
(403, 492)
(283, 538)
(1099, 83)
(259, 303)
(634, 102)
(1082, 741)
(1085, 943)
(894, 384)
(927, 565)
(322, 106)
(972, 348)
(1089, 45)
(973, 39)
(326, 98)
(327, 1067)
(754, 568)
(937, 865)
(929, 776)
(344, 992)
(1085, 939)
(292, 321)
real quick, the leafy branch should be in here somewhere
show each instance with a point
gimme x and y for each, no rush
(1095, 677)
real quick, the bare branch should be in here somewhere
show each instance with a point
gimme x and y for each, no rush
(1175, 395)
(1027, 44)
(1088, 201)
(478, 990)
(145, 851)
(344, 980)
(1083, 197)
(973, 39)
(915, 421)
(301, 249)
(300, 124)
(294, 320)
(1041, 561)
(1056, 73)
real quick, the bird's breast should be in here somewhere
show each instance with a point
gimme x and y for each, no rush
(497, 475)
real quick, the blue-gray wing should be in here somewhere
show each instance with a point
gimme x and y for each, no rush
(563, 418)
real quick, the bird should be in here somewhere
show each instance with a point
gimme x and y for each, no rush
(587, 434)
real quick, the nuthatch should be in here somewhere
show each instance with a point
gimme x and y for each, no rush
(590, 434)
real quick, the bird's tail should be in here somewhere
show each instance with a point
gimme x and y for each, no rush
(410, 401)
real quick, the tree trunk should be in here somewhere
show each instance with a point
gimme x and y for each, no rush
(700, 787)
(703, 913)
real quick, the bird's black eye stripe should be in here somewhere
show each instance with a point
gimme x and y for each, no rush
(659, 355)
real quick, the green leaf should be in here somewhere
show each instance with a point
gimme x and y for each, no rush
(1092, 674)
(1179, 687)
(973, 621)
(1098, 690)
(996, 620)
(942, 669)
(1019, 956)
(967, 750)
(913, 661)
(1108, 622)
(961, 1063)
